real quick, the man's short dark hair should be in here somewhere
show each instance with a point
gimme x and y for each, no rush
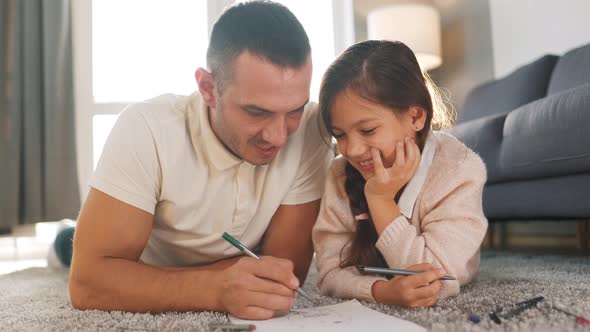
(263, 28)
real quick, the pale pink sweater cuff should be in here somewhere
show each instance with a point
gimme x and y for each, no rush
(358, 286)
(364, 288)
(393, 233)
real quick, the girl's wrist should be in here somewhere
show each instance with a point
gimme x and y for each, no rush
(377, 290)
(379, 197)
(383, 212)
(382, 292)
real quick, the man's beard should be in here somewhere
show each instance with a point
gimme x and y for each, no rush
(230, 142)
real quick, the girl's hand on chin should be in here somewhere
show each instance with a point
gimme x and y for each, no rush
(387, 182)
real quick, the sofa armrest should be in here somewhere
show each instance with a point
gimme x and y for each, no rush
(483, 136)
(548, 137)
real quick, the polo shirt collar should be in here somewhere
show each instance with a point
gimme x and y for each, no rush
(410, 194)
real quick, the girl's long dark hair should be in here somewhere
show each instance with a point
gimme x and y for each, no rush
(386, 73)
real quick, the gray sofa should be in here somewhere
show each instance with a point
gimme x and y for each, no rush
(532, 129)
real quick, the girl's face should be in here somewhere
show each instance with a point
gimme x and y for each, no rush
(359, 124)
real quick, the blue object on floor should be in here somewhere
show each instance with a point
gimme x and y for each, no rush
(474, 318)
(64, 245)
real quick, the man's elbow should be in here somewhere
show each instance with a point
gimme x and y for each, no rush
(81, 291)
(79, 296)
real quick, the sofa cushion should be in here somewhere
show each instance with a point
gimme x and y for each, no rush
(522, 86)
(572, 69)
(484, 136)
(548, 137)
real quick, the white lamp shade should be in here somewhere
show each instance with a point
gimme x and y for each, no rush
(416, 25)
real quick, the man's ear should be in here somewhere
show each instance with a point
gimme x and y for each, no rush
(207, 86)
(417, 117)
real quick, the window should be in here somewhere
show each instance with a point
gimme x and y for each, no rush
(145, 48)
(142, 49)
(128, 51)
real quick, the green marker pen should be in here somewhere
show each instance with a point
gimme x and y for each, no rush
(247, 251)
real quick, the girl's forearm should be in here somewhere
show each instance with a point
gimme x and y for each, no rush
(383, 211)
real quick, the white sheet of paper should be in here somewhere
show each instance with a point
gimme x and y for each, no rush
(342, 317)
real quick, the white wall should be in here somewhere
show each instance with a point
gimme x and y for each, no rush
(523, 30)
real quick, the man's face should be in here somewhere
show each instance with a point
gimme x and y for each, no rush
(260, 107)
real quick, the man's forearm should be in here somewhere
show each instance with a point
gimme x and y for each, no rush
(301, 255)
(289, 235)
(215, 266)
(302, 266)
(119, 284)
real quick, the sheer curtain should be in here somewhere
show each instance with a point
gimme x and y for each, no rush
(38, 175)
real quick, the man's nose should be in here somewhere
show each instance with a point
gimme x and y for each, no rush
(276, 133)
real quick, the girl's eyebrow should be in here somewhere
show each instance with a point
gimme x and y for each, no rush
(358, 123)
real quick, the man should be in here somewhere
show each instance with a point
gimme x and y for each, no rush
(244, 155)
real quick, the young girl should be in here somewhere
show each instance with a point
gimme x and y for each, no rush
(400, 195)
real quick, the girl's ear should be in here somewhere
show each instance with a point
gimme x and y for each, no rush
(207, 86)
(417, 118)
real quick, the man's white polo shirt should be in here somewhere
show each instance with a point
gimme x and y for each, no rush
(163, 157)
